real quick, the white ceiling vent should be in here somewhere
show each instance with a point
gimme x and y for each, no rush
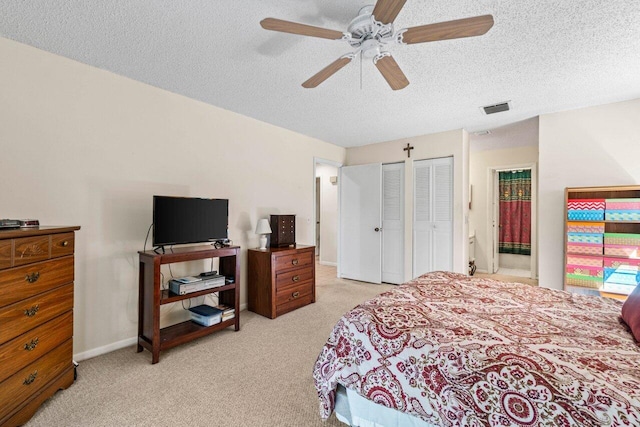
(497, 108)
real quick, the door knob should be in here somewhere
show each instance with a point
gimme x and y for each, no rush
(377, 229)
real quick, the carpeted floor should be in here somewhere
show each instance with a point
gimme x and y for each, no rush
(258, 376)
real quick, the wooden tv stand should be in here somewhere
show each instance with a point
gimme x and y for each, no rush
(151, 297)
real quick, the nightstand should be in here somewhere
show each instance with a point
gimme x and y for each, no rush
(281, 279)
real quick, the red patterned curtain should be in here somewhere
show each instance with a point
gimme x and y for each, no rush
(515, 212)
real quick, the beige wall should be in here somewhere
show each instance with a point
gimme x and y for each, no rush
(444, 144)
(480, 216)
(82, 146)
(588, 147)
(328, 214)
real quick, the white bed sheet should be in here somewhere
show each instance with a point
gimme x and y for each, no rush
(357, 411)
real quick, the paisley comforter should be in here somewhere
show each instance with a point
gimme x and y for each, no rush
(458, 351)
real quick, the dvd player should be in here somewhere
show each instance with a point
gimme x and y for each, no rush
(181, 288)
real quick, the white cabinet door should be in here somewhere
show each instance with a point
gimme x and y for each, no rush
(360, 222)
(393, 223)
(432, 215)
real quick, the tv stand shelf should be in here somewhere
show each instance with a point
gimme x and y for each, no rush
(151, 297)
(169, 297)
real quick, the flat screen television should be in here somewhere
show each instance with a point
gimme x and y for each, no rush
(179, 220)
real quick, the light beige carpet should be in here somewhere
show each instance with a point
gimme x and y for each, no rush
(258, 376)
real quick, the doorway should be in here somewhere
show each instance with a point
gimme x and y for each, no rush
(325, 188)
(514, 254)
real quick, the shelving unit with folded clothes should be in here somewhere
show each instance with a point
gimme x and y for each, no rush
(622, 250)
(602, 240)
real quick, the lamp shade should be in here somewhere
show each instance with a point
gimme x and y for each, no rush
(263, 226)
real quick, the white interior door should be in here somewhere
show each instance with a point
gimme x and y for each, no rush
(360, 222)
(318, 210)
(432, 215)
(393, 223)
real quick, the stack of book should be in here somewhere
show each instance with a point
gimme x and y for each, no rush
(227, 312)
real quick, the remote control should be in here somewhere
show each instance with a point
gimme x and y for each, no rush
(208, 273)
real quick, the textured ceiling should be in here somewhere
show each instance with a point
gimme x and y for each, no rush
(542, 55)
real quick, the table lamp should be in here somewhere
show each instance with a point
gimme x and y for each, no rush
(263, 228)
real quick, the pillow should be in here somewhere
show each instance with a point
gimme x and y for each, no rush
(631, 312)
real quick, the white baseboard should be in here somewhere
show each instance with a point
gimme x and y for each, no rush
(99, 351)
(332, 264)
(105, 349)
(482, 271)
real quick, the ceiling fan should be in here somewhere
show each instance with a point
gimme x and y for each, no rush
(372, 31)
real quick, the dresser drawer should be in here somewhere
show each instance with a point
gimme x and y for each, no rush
(24, 282)
(292, 277)
(28, 250)
(62, 244)
(294, 304)
(286, 294)
(31, 379)
(6, 252)
(30, 346)
(23, 316)
(284, 262)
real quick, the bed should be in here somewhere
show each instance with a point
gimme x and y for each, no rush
(449, 350)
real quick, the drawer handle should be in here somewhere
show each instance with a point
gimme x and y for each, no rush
(31, 345)
(33, 277)
(64, 244)
(31, 378)
(32, 311)
(295, 294)
(295, 278)
(294, 261)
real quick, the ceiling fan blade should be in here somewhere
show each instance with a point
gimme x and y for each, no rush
(468, 27)
(274, 24)
(387, 10)
(327, 72)
(391, 72)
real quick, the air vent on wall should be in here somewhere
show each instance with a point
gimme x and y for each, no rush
(497, 108)
(482, 133)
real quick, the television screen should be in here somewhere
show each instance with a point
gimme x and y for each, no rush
(178, 220)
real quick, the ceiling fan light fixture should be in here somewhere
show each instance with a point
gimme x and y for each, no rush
(370, 48)
(372, 31)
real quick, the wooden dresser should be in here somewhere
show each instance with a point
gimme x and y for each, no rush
(36, 318)
(281, 279)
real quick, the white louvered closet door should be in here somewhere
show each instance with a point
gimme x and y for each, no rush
(432, 215)
(393, 223)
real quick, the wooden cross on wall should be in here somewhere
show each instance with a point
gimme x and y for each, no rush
(408, 149)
